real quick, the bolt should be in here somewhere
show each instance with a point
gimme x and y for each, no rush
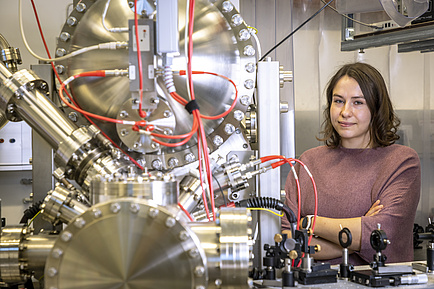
(123, 114)
(153, 213)
(170, 222)
(173, 162)
(134, 208)
(193, 253)
(81, 7)
(60, 69)
(60, 52)
(65, 36)
(71, 21)
(51, 272)
(96, 213)
(157, 164)
(199, 271)
(79, 223)
(73, 116)
(57, 253)
(189, 157)
(115, 208)
(183, 236)
(124, 132)
(167, 113)
(154, 100)
(66, 236)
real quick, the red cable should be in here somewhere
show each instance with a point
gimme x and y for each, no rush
(289, 160)
(234, 102)
(60, 81)
(186, 212)
(139, 60)
(74, 107)
(205, 202)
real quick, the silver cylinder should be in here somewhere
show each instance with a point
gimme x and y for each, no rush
(191, 193)
(35, 252)
(162, 189)
(227, 246)
(10, 263)
(345, 256)
(306, 263)
(24, 94)
(59, 206)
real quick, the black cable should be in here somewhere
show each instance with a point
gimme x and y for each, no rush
(298, 28)
(270, 203)
(220, 187)
(31, 212)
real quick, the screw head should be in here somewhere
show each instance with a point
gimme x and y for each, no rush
(153, 213)
(66, 236)
(115, 208)
(170, 222)
(199, 271)
(79, 222)
(57, 253)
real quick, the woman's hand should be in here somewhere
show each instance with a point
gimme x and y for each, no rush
(375, 209)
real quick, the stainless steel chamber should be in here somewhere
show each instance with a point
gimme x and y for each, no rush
(126, 228)
(222, 45)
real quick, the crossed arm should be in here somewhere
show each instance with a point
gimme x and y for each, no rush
(327, 233)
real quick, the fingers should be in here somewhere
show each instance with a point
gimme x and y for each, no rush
(375, 209)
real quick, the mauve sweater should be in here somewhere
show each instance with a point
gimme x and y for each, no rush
(349, 181)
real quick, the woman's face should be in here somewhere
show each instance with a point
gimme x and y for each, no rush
(350, 115)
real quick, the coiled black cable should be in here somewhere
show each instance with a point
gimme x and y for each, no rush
(268, 203)
(31, 212)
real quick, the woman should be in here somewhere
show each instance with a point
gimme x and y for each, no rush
(363, 178)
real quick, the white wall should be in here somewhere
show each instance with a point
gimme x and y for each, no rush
(52, 15)
(317, 55)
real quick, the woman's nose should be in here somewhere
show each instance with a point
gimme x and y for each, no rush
(347, 110)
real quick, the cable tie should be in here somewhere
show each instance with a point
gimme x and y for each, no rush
(191, 106)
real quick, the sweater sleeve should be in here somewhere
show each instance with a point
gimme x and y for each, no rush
(399, 194)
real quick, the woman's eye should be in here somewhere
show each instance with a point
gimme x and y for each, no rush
(337, 101)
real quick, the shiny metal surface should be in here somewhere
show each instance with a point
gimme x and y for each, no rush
(23, 97)
(161, 188)
(35, 252)
(221, 45)
(10, 254)
(82, 152)
(228, 247)
(126, 243)
(59, 206)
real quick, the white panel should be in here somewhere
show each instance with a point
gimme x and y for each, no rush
(269, 142)
(52, 15)
(15, 147)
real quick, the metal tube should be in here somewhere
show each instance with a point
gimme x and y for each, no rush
(37, 248)
(22, 93)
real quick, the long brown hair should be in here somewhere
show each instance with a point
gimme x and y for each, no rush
(384, 122)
